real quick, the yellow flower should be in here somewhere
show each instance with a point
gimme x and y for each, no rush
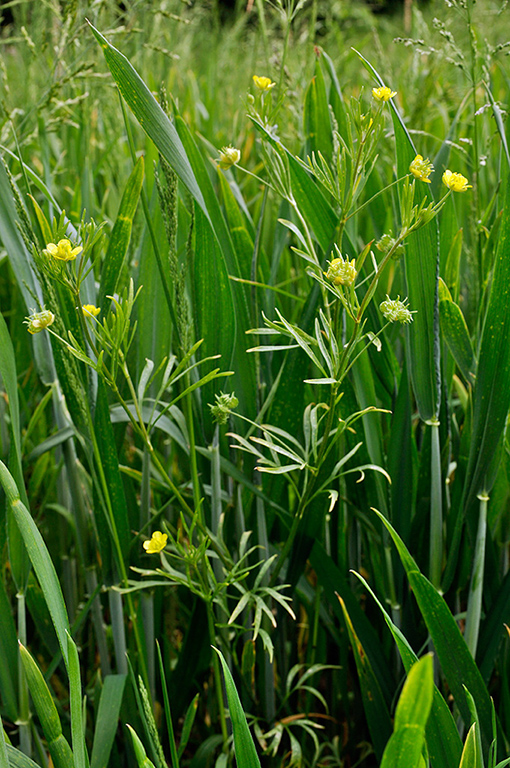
(38, 321)
(456, 181)
(156, 543)
(383, 94)
(421, 169)
(229, 156)
(263, 83)
(89, 310)
(63, 251)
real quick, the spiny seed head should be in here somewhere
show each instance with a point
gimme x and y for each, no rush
(38, 321)
(386, 243)
(396, 311)
(225, 403)
(229, 156)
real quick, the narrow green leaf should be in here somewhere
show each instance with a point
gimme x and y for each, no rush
(40, 559)
(215, 318)
(8, 656)
(149, 114)
(18, 760)
(421, 272)
(491, 396)
(121, 234)
(376, 711)
(312, 204)
(471, 757)
(140, 753)
(443, 741)
(404, 748)
(415, 701)
(189, 719)
(76, 704)
(456, 661)
(456, 335)
(47, 712)
(107, 719)
(108, 450)
(317, 122)
(244, 748)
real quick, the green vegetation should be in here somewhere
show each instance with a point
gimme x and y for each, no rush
(255, 378)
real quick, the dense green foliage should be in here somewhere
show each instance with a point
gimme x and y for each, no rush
(255, 378)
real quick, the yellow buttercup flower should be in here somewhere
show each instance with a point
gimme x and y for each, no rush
(263, 83)
(38, 321)
(456, 181)
(63, 251)
(156, 543)
(383, 94)
(421, 169)
(229, 156)
(89, 310)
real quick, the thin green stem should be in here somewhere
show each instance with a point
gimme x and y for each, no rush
(217, 674)
(436, 509)
(474, 607)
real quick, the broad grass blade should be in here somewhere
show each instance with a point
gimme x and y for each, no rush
(10, 382)
(456, 661)
(312, 204)
(316, 117)
(376, 710)
(471, 757)
(121, 234)
(404, 748)
(244, 748)
(443, 740)
(243, 364)
(8, 656)
(4, 758)
(421, 274)
(76, 704)
(149, 114)
(19, 259)
(18, 760)
(58, 745)
(491, 396)
(213, 304)
(107, 719)
(456, 335)
(40, 559)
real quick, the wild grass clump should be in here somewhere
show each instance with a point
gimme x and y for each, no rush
(254, 352)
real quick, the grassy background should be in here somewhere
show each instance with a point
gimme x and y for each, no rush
(321, 687)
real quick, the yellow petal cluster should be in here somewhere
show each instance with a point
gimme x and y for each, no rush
(456, 181)
(229, 156)
(421, 169)
(263, 83)
(89, 310)
(38, 321)
(156, 543)
(383, 94)
(63, 250)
